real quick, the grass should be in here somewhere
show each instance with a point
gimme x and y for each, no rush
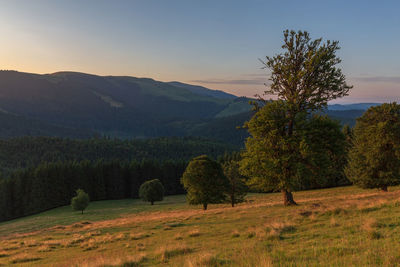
(343, 226)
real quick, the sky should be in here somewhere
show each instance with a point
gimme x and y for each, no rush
(213, 43)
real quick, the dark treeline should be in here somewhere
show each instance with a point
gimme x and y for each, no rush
(51, 185)
(25, 152)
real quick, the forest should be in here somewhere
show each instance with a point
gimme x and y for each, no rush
(51, 185)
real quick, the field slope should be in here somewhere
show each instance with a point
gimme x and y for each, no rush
(331, 227)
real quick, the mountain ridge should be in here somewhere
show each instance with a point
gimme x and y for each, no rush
(79, 105)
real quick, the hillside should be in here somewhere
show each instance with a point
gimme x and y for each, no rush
(112, 105)
(331, 227)
(79, 105)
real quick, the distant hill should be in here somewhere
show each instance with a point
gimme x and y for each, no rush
(357, 106)
(80, 105)
(118, 106)
(345, 116)
(200, 90)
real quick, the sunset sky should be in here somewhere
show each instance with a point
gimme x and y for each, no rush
(213, 43)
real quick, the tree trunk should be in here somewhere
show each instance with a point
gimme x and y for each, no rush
(233, 201)
(82, 211)
(288, 198)
(152, 202)
(204, 206)
(384, 188)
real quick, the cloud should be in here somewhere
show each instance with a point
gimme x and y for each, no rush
(375, 79)
(255, 79)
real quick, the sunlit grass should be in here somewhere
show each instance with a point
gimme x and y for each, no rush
(332, 227)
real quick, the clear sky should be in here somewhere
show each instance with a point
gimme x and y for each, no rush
(212, 43)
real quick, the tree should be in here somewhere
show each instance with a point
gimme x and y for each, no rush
(204, 182)
(151, 191)
(374, 159)
(80, 201)
(237, 187)
(304, 77)
(323, 153)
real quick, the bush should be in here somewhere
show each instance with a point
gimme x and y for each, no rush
(151, 191)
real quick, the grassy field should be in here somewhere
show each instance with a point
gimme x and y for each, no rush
(343, 226)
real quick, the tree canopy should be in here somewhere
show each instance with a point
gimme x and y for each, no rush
(80, 201)
(374, 159)
(318, 143)
(304, 77)
(151, 191)
(237, 189)
(204, 182)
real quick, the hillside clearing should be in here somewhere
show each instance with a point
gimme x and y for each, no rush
(339, 226)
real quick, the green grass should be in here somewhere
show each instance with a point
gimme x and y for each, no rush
(344, 226)
(96, 211)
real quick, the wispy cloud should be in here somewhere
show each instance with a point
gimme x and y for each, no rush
(246, 79)
(374, 79)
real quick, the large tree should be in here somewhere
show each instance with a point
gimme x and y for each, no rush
(315, 152)
(304, 77)
(204, 182)
(374, 159)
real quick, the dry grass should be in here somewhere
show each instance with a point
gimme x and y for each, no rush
(275, 230)
(44, 248)
(323, 230)
(137, 236)
(22, 258)
(235, 234)
(194, 233)
(168, 251)
(117, 260)
(203, 260)
(333, 222)
(370, 226)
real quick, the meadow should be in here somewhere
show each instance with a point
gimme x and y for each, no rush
(344, 226)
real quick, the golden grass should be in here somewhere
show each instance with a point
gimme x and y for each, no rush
(117, 260)
(333, 222)
(169, 251)
(24, 257)
(194, 233)
(206, 259)
(329, 227)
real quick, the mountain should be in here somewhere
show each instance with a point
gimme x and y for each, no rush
(72, 104)
(14, 125)
(80, 105)
(356, 106)
(345, 116)
(200, 90)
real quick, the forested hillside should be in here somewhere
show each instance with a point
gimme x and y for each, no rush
(26, 152)
(78, 105)
(126, 107)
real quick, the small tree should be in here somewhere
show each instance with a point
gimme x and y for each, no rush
(151, 191)
(204, 182)
(374, 159)
(80, 201)
(237, 187)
